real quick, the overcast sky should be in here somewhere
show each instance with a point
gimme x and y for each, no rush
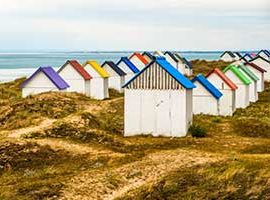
(28, 25)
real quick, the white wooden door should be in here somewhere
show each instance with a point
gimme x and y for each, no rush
(163, 114)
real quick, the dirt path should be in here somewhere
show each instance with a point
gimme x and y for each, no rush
(75, 148)
(43, 125)
(115, 182)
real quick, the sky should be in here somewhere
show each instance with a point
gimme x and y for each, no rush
(120, 25)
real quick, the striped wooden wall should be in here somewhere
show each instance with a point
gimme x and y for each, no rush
(155, 77)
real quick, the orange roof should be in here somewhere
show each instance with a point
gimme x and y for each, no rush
(138, 55)
(223, 77)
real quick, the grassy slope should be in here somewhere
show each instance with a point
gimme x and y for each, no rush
(85, 142)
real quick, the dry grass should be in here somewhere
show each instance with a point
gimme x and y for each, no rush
(127, 166)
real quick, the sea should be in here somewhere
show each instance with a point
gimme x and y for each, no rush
(22, 64)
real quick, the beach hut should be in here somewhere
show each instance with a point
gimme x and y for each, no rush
(158, 101)
(128, 67)
(184, 64)
(237, 55)
(99, 86)
(158, 54)
(205, 97)
(263, 63)
(253, 93)
(246, 57)
(148, 56)
(242, 82)
(138, 60)
(45, 79)
(259, 72)
(228, 56)
(76, 76)
(227, 88)
(174, 61)
(116, 75)
(265, 54)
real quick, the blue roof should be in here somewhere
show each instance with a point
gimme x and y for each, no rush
(57, 80)
(129, 64)
(114, 67)
(208, 85)
(164, 64)
(187, 63)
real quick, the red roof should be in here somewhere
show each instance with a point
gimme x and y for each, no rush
(77, 66)
(256, 67)
(223, 77)
(144, 61)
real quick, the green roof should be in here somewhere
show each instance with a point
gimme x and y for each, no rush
(249, 72)
(238, 73)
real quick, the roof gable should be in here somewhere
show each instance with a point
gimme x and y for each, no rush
(228, 52)
(97, 68)
(265, 52)
(208, 86)
(114, 67)
(164, 64)
(129, 64)
(248, 72)
(238, 73)
(77, 66)
(56, 79)
(259, 57)
(256, 67)
(140, 57)
(223, 77)
(148, 54)
(172, 56)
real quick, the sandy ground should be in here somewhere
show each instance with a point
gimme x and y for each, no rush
(115, 182)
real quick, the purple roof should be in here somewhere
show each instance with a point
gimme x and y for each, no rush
(57, 80)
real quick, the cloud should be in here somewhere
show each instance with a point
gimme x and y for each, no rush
(140, 24)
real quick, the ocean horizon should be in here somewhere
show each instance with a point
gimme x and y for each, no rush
(15, 65)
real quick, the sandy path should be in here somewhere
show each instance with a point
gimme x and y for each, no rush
(115, 182)
(43, 125)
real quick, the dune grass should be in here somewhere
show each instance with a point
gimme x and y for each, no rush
(29, 170)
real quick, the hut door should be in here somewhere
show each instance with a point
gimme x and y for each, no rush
(163, 121)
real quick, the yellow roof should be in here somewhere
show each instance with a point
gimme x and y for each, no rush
(98, 68)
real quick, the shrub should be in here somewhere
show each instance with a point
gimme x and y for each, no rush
(216, 120)
(197, 131)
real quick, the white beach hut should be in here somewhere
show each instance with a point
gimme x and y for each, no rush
(263, 63)
(246, 57)
(242, 82)
(138, 60)
(253, 93)
(228, 56)
(175, 61)
(159, 54)
(265, 54)
(205, 97)
(45, 79)
(185, 65)
(99, 86)
(76, 76)
(148, 56)
(259, 72)
(117, 75)
(128, 67)
(237, 55)
(158, 101)
(227, 88)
